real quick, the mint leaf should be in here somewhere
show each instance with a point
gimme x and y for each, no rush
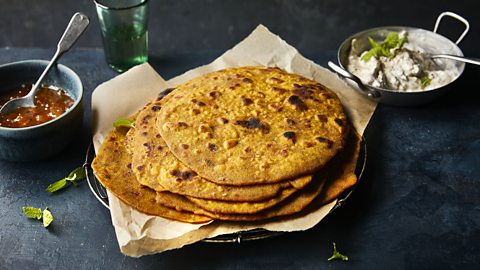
(57, 185)
(391, 41)
(124, 122)
(37, 213)
(336, 255)
(73, 176)
(76, 174)
(372, 52)
(425, 81)
(372, 43)
(32, 212)
(368, 55)
(47, 217)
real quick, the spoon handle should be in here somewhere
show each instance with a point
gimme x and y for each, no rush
(374, 94)
(75, 28)
(458, 58)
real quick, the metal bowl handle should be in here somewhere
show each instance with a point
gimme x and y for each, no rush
(457, 17)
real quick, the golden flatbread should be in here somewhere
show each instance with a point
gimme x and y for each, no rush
(240, 207)
(253, 125)
(342, 177)
(337, 176)
(289, 206)
(157, 168)
(240, 144)
(139, 146)
(112, 168)
(294, 204)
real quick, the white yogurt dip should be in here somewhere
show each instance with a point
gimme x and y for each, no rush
(408, 68)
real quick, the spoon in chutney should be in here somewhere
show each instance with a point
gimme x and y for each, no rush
(75, 28)
(473, 61)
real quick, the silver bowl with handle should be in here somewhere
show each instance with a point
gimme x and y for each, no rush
(430, 41)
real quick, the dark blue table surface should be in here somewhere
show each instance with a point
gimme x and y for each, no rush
(418, 206)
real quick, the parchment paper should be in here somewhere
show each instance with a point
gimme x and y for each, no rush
(139, 234)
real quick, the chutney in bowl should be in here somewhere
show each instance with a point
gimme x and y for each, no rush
(43, 138)
(49, 103)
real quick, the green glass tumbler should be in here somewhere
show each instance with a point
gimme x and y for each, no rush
(124, 26)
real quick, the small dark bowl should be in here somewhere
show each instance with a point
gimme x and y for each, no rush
(44, 140)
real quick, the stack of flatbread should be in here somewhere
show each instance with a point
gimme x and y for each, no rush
(239, 144)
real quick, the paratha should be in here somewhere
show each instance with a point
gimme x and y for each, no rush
(236, 207)
(239, 144)
(156, 167)
(337, 176)
(112, 167)
(253, 125)
(342, 174)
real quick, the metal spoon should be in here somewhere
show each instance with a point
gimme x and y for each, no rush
(75, 28)
(457, 58)
(371, 93)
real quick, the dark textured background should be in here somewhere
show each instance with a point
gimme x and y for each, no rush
(417, 207)
(193, 25)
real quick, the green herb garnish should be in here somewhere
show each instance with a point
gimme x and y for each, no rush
(73, 176)
(124, 122)
(336, 255)
(47, 217)
(37, 213)
(32, 212)
(392, 41)
(425, 81)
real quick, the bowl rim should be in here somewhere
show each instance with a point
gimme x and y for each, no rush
(347, 42)
(61, 67)
(104, 6)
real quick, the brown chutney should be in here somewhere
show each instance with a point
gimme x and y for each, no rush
(50, 103)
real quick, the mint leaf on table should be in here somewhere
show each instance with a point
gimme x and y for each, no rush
(337, 255)
(32, 212)
(37, 213)
(73, 176)
(124, 122)
(391, 41)
(77, 174)
(57, 185)
(47, 217)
